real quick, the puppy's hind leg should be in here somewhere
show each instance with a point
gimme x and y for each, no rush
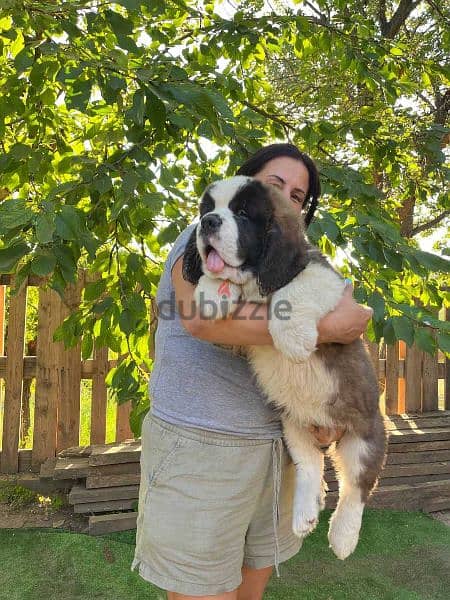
(309, 488)
(358, 463)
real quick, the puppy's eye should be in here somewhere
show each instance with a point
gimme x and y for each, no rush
(241, 213)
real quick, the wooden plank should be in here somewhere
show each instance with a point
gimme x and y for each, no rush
(102, 507)
(401, 377)
(397, 458)
(99, 396)
(412, 496)
(419, 446)
(68, 428)
(391, 481)
(48, 468)
(392, 373)
(430, 388)
(13, 380)
(106, 481)
(123, 429)
(2, 319)
(24, 459)
(79, 494)
(413, 379)
(47, 379)
(87, 367)
(116, 453)
(409, 422)
(76, 451)
(427, 468)
(447, 373)
(435, 504)
(72, 468)
(76, 467)
(101, 524)
(422, 435)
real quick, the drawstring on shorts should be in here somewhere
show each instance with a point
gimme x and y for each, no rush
(277, 450)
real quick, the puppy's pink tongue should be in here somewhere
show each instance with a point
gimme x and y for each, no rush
(214, 262)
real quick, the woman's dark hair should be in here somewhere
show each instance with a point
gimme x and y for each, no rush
(256, 162)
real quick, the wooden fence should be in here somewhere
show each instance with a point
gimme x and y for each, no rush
(58, 374)
(412, 381)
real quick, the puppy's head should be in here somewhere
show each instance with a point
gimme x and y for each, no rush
(246, 229)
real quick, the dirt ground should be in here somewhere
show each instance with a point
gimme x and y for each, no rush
(443, 515)
(40, 513)
(41, 516)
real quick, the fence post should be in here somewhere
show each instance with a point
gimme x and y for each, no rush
(68, 429)
(13, 379)
(413, 377)
(392, 375)
(47, 379)
(99, 396)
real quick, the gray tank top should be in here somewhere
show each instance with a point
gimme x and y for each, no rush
(198, 384)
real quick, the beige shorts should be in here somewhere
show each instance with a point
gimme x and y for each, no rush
(210, 503)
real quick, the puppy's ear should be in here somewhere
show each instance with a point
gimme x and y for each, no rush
(283, 258)
(192, 262)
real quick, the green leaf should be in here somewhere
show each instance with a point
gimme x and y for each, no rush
(376, 301)
(119, 24)
(403, 329)
(94, 290)
(443, 341)
(136, 112)
(45, 227)
(68, 223)
(87, 346)
(14, 213)
(9, 257)
(425, 340)
(43, 263)
(433, 262)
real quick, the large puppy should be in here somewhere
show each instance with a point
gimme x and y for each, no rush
(250, 245)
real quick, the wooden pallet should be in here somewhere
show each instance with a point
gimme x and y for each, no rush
(416, 477)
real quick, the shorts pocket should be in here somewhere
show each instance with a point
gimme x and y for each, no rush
(161, 448)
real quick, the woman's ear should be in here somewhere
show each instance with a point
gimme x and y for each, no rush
(192, 262)
(283, 258)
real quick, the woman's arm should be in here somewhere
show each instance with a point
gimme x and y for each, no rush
(343, 325)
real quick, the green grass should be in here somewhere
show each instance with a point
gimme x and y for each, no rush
(401, 556)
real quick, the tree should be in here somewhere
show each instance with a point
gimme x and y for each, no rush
(115, 115)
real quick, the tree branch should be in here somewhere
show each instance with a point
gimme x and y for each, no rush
(431, 223)
(390, 28)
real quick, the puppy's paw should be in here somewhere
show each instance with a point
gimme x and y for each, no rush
(343, 534)
(216, 298)
(305, 516)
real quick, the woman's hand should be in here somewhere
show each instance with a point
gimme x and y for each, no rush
(346, 322)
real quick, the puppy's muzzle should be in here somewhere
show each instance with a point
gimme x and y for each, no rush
(210, 224)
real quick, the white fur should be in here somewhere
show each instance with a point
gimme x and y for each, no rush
(311, 295)
(346, 520)
(309, 490)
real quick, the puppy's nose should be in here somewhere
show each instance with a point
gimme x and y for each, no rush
(211, 223)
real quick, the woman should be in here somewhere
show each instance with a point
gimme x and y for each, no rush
(216, 492)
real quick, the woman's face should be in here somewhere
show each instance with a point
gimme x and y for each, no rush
(289, 175)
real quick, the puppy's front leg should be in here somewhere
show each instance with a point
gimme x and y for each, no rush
(292, 324)
(309, 494)
(216, 298)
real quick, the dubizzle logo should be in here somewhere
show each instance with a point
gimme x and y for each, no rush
(224, 289)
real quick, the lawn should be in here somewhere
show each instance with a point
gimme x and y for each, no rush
(401, 556)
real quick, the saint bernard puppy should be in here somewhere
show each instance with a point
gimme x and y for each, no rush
(250, 245)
